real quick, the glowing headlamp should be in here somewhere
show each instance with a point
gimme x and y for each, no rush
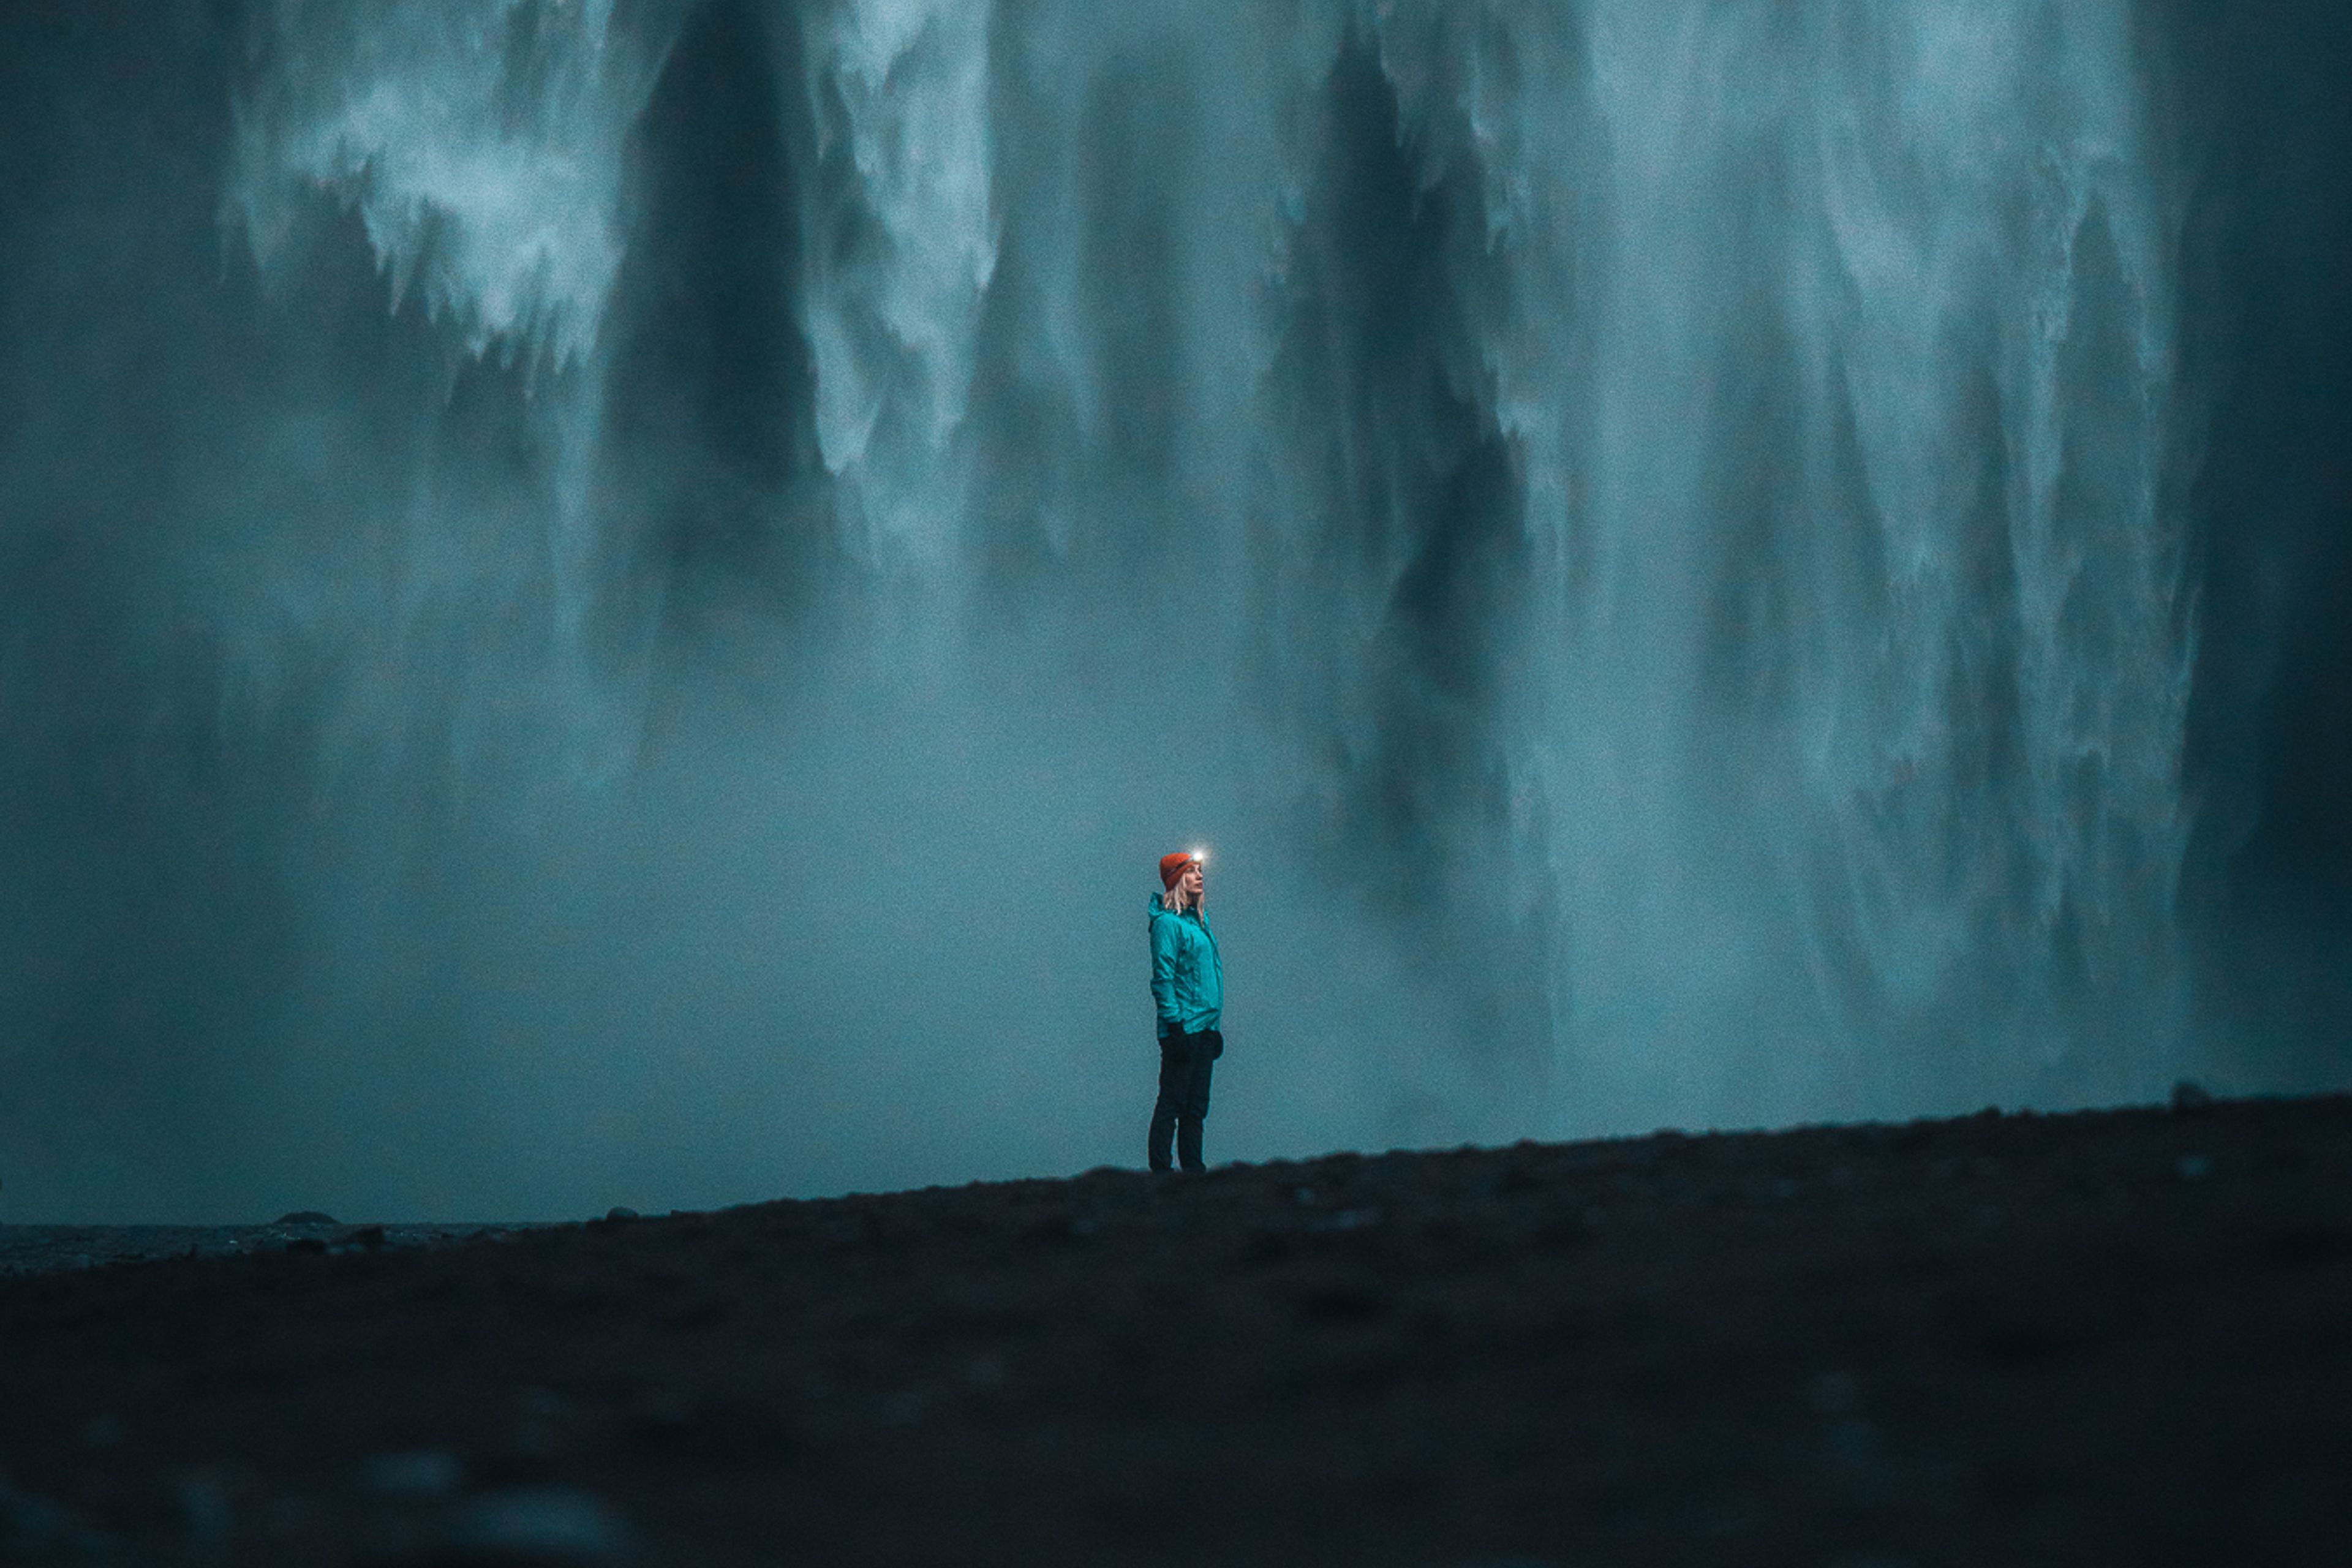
(1200, 856)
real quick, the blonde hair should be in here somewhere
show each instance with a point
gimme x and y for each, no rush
(1172, 897)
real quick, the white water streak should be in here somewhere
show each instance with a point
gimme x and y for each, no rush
(892, 324)
(1954, 780)
(483, 146)
(481, 143)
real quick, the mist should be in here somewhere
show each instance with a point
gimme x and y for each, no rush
(611, 602)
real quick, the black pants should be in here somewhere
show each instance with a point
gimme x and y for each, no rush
(1186, 1061)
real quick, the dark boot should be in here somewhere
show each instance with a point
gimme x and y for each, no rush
(1188, 1143)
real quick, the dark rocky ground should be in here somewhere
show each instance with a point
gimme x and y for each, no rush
(47, 1249)
(2111, 1338)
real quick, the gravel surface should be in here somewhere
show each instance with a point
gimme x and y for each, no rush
(2121, 1336)
(49, 1249)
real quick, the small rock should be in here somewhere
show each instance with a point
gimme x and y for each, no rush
(1854, 1443)
(42, 1530)
(2190, 1095)
(535, 1524)
(423, 1473)
(204, 1507)
(1261, 1248)
(1834, 1393)
(714, 1434)
(1341, 1302)
(2301, 1246)
(541, 1424)
(618, 1213)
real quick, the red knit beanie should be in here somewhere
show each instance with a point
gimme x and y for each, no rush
(1173, 866)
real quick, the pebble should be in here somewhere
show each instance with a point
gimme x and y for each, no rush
(535, 1524)
(423, 1472)
(44, 1531)
(1834, 1393)
(204, 1507)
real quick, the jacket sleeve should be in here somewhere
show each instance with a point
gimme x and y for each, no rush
(1163, 968)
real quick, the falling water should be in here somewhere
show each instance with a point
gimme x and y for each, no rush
(1652, 537)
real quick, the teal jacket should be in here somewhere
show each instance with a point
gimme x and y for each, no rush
(1188, 980)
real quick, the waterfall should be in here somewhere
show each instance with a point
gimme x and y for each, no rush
(1653, 539)
(1683, 492)
(1867, 744)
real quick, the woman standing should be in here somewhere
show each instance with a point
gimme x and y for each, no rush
(1188, 992)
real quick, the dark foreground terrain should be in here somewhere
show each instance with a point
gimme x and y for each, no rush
(2114, 1338)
